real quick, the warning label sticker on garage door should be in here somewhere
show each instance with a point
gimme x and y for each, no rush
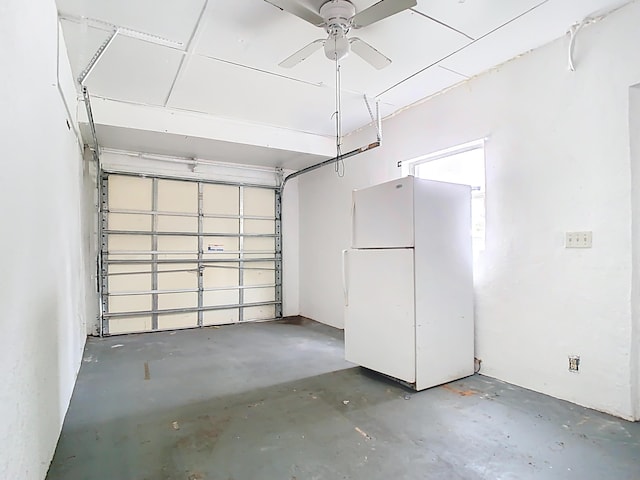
(214, 247)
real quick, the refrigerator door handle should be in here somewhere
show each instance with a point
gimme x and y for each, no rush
(345, 290)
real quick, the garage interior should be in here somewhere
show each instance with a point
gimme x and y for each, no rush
(172, 287)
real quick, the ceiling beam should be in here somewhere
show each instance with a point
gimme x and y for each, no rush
(179, 122)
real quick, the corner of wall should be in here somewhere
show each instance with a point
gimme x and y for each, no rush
(634, 146)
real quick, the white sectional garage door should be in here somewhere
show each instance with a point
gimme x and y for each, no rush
(180, 254)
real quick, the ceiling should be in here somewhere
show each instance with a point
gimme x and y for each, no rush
(220, 58)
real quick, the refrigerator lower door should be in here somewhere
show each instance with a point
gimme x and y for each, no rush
(380, 312)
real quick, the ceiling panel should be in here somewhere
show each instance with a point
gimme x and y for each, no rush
(420, 86)
(206, 149)
(265, 41)
(231, 91)
(549, 21)
(173, 20)
(475, 17)
(135, 71)
(82, 43)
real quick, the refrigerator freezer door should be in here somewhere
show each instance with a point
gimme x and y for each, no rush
(382, 215)
(379, 315)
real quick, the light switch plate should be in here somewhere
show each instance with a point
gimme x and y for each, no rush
(578, 239)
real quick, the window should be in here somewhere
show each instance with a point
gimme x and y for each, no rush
(461, 164)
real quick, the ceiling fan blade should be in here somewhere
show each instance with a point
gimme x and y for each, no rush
(302, 54)
(295, 8)
(369, 54)
(381, 10)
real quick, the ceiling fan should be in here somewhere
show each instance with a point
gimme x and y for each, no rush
(338, 17)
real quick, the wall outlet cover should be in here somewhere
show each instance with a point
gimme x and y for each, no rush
(574, 363)
(578, 239)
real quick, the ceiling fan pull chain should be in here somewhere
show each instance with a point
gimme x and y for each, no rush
(339, 166)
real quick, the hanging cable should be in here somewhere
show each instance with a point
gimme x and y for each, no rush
(339, 165)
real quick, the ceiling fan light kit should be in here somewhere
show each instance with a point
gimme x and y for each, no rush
(337, 18)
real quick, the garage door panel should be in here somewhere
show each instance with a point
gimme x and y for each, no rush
(260, 244)
(129, 325)
(221, 225)
(220, 297)
(221, 276)
(130, 222)
(220, 199)
(127, 243)
(260, 273)
(220, 317)
(259, 202)
(171, 223)
(264, 312)
(129, 283)
(177, 196)
(256, 295)
(182, 244)
(177, 281)
(259, 226)
(130, 193)
(178, 320)
(169, 301)
(129, 303)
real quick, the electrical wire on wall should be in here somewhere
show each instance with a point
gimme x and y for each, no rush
(339, 165)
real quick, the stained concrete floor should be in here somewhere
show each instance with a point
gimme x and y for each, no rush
(276, 400)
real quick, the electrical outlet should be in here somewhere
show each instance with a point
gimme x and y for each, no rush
(574, 363)
(578, 239)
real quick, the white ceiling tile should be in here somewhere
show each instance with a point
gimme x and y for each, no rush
(549, 21)
(262, 36)
(82, 43)
(173, 20)
(231, 91)
(234, 92)
(135, 71)
(420, 86)
(475, 17)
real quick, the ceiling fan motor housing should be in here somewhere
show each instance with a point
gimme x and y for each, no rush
(337, 13)
(337, 16)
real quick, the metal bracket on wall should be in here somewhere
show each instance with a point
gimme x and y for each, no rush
(101, 211)
(200, 254)
(241, 255)
(154, 256)
(377, 120)
(278, 242)
(103, 227)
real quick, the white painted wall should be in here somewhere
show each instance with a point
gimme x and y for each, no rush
(44, 282)
(634, 136)
(557, 160)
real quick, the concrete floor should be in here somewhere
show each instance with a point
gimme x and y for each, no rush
(276, 400)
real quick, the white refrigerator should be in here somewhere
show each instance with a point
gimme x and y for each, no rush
(408, 282)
